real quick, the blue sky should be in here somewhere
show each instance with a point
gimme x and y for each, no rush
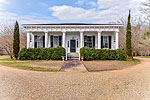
(61, 11)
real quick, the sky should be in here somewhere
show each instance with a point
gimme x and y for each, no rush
(67, 11)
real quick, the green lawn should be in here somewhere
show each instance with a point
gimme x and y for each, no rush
(5, 59)
(143, 56)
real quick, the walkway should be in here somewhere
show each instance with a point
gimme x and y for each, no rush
(73, 65)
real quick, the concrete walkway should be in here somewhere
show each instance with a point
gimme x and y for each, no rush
(73, 66)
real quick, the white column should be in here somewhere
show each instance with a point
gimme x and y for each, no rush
(46, 39)
(117, 40)
(63, 39)
(32, 40)
(81, 39)
(28, 40)
(99, 40)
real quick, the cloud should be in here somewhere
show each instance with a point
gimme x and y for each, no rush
(74, 14)
(91, 3)
(69, 13)
(23, 19)
(87, 2)
(105, 11)
(2, 3)
(80, 2)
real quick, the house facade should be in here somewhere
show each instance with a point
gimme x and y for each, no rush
(73, 36)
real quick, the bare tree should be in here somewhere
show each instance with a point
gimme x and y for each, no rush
(145, 9)
(6, 38)
(137, 33)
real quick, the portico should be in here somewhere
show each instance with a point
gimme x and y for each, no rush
(73, 36)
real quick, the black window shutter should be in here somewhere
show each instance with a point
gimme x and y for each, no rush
(93, 41)
(43, 41)
(109, 42)
(60, 40)
(68, 44)
(35, 41)
(102, 42)
(51, 41)
(77, 44)
(85, 40)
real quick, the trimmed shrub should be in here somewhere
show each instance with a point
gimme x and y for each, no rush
(102, 54)
(42, 53)
(86, 52)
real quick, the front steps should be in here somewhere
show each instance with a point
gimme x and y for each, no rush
(73, 56)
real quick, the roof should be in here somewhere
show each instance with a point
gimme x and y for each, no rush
(73, 24)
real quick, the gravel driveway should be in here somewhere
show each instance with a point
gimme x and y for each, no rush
(128, 84)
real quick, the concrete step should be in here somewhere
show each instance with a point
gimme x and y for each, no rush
(73, 56)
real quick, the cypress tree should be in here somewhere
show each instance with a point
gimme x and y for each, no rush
(16, 41)
(128, 38)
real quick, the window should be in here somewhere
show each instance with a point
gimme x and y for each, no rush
(89, 41)
(56, 41)
(39, 41)
(105, 42)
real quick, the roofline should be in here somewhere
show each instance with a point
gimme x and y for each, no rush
(70, 24)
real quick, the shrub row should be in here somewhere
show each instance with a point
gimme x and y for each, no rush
(42, 53)
(102, 54)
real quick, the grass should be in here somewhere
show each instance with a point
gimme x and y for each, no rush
(96, 66)
(133, 62)
(143, 56)
(5, 59)
(25, 65)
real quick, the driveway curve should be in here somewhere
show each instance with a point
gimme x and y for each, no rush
(128, 84)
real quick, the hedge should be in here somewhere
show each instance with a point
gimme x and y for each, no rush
(42, 53)
(102, 54)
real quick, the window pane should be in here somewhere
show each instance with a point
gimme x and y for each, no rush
(88, 41)
(40, 41)
(105, 42)
(56, 41)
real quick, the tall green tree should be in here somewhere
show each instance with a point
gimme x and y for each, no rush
(128, 38)
(16, 41)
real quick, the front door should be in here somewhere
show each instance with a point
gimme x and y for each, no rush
(72, 45)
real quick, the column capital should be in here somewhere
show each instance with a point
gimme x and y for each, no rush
(99, 31)
(45, 31)
(117, 31)
(81, 31)
(63, 31)
(29, 31)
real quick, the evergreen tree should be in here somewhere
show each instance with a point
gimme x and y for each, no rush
(16, 41)
(128, 38)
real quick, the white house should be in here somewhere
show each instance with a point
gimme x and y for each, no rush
(73, 36)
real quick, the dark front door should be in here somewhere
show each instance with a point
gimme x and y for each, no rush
(72, 45)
